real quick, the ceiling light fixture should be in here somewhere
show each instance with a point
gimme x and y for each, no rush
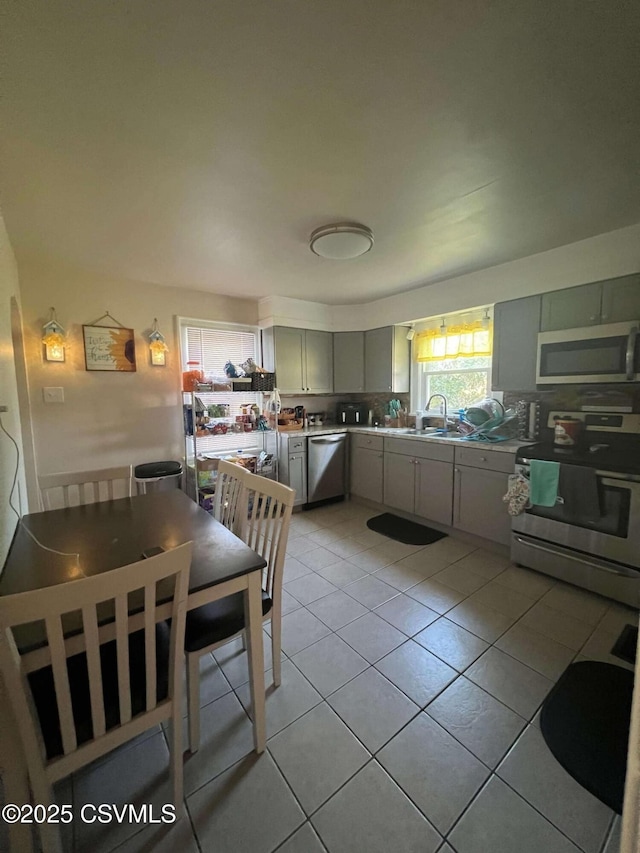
(342, 241)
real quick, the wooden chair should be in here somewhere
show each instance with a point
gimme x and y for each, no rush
(228, 494)
(264, 526)
(83, 704)
(72, 488)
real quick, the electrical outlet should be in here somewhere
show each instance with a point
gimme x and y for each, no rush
(4, 409)
(53, 395)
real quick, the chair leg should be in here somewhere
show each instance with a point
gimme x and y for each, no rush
(50, 837)
(276, 649)
(177, 770)
(193, 700)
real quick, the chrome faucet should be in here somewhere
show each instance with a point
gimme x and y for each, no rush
(444, 400)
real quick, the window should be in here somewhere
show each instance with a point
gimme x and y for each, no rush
(453, 358)
(211, 347)
(462, 380)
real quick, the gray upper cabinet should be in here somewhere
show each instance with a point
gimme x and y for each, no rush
(621, 299)
(612, 301)
(301, 358)
(515, 344)
(348, 362)
(571, 308)
(319, 362)
(386, 360)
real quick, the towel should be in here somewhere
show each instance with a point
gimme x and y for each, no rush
(544, 482)
(579, 489)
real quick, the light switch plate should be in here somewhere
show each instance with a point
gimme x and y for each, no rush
(53, 394)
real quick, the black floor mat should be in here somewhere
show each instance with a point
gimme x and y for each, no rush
(585, 722)
(404, 531)
(626, 645)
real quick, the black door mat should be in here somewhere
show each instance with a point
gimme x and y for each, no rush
(585, 722)
(404, 531)
(626, 645)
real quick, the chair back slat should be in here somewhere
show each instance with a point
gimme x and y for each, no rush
(122, 656)
(265, 527)
(228, 499)
(150, 645)
(59, 490)
(49, 605)
(55, 639)
(94, 670)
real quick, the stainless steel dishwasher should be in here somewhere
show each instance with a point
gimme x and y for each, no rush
(326, 467)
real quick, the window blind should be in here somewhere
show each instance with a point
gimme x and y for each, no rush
(212, 348)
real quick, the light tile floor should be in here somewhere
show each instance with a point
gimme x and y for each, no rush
(407, 715)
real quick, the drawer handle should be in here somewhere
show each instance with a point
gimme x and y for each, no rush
(483, 458)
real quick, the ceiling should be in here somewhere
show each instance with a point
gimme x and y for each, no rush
(198, 143)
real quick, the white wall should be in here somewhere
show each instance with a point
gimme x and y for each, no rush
(109, 418)
(605, 256)
(9, 290)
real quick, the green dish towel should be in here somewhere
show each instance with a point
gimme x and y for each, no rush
(543, 482)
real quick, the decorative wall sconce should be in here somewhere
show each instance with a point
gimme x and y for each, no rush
(157, 346)
(53, 338)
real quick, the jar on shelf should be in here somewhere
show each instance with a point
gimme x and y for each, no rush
(193, 376)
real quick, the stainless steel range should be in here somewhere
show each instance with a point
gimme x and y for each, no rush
(598, 550)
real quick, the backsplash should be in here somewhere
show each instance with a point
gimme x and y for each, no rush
(574, 397)
(326, 403)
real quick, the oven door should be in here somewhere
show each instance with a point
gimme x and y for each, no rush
(592, 354)
(614, 536)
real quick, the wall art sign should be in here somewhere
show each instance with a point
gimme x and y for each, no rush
(109, 348)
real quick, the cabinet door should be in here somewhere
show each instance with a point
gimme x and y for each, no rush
(378, 355)
(298, 476)
(621, 299)
(366, 473)
(399, 481)
(478, 507)
(571, 308)
(515, 344)
(319, 362)
(289, 361)
(434, 490)
(348, 362)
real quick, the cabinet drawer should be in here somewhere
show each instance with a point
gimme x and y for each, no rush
(419, 448)
(367, 442)
(297, 445)
(490, 460)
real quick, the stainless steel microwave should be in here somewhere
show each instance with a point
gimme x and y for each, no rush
(604, 353)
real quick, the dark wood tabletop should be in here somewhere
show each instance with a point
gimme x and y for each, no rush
(111, 534)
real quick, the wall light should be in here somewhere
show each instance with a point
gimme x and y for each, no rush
(157, 346)
(53, 338)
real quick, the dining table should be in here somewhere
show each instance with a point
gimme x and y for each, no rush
(62, 545)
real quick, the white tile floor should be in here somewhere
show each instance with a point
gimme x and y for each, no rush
(406, 716)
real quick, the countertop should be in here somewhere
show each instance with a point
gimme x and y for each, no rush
(509, 446)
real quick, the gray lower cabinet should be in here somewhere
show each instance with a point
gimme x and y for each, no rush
(399, 481)
(434, 490)
(367, 473)
(480, 482)
(386, 360)
(515, 344)
(348, 362)
(292, 465)
(416, 483)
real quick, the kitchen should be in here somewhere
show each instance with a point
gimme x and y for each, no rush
(164, 166)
